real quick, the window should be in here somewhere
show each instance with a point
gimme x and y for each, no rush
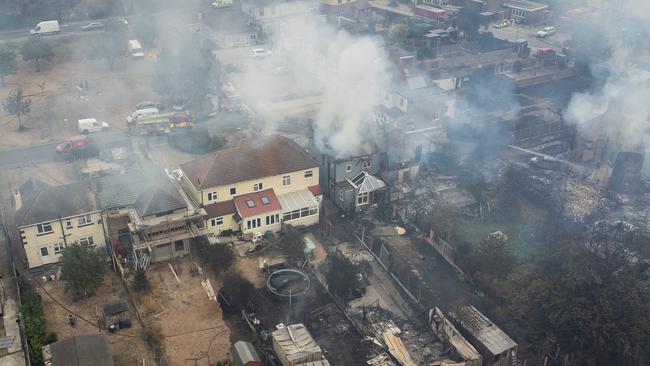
(250, 203)
(85, 220)
(286, 180)
(367, 164)
(87, 241)
(254, 223)
(68, 224)
(257, 187)
(362, 198)
(348, 167)
(294, 215)
(179, 246)
(217, 221)
(58, 248)
(436, 116)
(233, 191)
(272, 219)
(44, 228)
(212, 196)
(341, 196)
(309, 174)
(518, 13)
(44, 252)
(265, 200)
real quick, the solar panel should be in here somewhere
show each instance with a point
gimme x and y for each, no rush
(250, 203)
(265, 200)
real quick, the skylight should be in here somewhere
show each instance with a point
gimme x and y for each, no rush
(250, 203)
(265, 200)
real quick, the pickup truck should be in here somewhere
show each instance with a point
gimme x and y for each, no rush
(74, 143)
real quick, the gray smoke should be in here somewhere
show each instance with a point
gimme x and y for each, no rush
(346, 75)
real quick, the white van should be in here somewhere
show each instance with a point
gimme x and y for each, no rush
(88, 125)
(142, 113)
(135, 49)
(46, 27)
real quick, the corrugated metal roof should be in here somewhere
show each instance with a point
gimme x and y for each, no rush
(243, 352)
(296, 343)
(297, 200)
(486, 332)
(315, 363)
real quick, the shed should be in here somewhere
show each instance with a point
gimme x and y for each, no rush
(294, 345)
(81, 350)
(116, 313)
(243, 353)
(322, 362)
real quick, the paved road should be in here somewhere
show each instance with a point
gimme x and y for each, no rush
(45, 153)
(516, 31)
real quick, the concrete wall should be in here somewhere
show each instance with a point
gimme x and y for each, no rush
(33, 241)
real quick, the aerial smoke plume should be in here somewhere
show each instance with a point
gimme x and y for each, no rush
(346, 75)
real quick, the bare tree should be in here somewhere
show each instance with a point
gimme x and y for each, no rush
(16, 104)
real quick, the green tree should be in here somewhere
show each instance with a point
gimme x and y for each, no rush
(444, 219)
(82, 269)
(7, 63)
(293, 243)
(17, 105)
(35, 49)
(140, 281)
(34, 318)
(398, 34)
(219, 257)
(589, 295)
(469, 21)
(146, 31)
(340, 276)
(497, 258)
(111, 45)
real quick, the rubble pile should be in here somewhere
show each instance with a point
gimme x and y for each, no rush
(582, 200)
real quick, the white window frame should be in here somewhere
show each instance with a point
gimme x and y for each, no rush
(217, 221)
(257, 187)
(286, 180)
(85, 220)
(348, 167)
(272, 219)
(436, 116)
(41, 228)
(58, 248)
(254, 223)
(87, 241)
(47, 252)
(212, 196)
(231, 189)
(367, 164)
(309, 173)
(68, 224)
(363, 198)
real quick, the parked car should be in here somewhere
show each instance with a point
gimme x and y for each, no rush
(139, 113)
(260, 53)
(501, 23)
(74, 143)
(88, 125)
(149, 104)
(135, 49)
(92, 26)
(546, 32)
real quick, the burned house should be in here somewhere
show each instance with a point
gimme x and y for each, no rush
(352, 181)
(492, 343)
(294, 345)
(464, 352)
(149, 218)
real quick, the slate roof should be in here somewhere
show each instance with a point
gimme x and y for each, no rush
(253, 204)
(30, 187)
(50, 203)
(220, 208)
(272, 156)
(486, 332)
(83, 350)
(115, 307)
(124, 190)
(158, 199)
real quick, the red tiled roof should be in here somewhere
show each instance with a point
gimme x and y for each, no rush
(220, 208)
(251, 204)
(274, 155)
(315, 190)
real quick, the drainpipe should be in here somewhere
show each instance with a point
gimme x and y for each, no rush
(65, 242)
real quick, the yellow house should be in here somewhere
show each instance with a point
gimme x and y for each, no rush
(255, 186)
(51, 218)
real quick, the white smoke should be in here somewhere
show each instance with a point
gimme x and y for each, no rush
(346, 75)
